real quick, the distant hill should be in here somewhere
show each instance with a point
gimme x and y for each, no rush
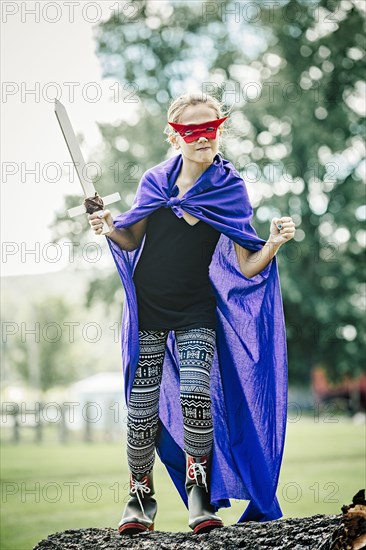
(19, 296)
(71, 283)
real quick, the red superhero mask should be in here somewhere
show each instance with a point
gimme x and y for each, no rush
(191, 132)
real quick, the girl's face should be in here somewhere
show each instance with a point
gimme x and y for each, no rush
(202, 150)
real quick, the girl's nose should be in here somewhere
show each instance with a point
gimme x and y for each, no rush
(202, 137)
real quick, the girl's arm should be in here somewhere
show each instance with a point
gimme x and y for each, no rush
(253, 262)
(127, 238)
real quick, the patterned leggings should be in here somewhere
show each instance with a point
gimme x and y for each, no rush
(196, 349)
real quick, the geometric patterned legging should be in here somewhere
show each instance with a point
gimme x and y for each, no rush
(196, 348)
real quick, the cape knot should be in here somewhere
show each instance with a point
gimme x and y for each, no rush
(173, 201)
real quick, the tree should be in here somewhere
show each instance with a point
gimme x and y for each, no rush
(42, 354)
(292, 75)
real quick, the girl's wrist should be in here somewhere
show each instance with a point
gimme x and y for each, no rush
(273, 242)
(112, 229)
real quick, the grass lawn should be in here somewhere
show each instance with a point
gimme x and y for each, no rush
(50, 488)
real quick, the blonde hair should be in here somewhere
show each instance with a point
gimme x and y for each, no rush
(178, 105)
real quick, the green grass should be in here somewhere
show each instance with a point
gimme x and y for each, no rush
(323, 467)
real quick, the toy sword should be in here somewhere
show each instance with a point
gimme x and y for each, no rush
(93, 202)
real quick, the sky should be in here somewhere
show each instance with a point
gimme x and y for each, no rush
(44, 52)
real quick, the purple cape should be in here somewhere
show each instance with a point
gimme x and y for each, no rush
(249, 370)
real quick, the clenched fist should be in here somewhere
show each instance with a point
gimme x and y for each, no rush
(96, 221)
(281, 230)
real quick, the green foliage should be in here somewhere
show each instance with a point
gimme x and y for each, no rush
(44, 357)
(296, 142)
(321, 273)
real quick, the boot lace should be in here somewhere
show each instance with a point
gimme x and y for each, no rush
(198, 468)
(142, 487)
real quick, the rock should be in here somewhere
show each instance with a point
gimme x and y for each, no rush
(345, 531)
(351, 533)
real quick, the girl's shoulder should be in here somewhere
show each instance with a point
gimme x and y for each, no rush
(163, 166)
(228, 166)
(159, 172)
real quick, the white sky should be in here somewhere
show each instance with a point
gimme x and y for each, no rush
(35, 54)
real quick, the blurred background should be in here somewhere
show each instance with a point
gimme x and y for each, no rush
(292, 76)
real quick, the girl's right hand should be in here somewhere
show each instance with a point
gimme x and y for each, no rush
(95, 221)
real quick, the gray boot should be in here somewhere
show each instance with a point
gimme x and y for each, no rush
(140, 510)
(202, 516)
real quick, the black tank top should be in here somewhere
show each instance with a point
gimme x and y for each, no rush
(172, 274)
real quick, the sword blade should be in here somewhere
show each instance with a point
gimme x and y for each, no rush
(74, 148)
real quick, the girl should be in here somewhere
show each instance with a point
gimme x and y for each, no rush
(203, 342)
